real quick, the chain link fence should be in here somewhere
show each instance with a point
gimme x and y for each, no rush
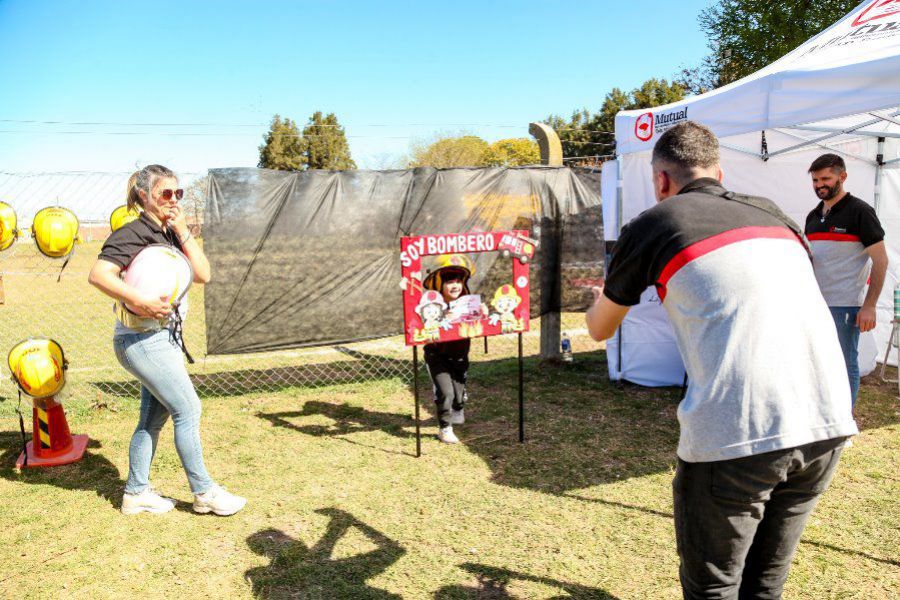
(38, 300)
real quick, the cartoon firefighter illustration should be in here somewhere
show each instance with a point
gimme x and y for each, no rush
(431, 309)
(505, 302)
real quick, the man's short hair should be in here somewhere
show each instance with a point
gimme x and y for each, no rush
(683, 149)
(828, 161)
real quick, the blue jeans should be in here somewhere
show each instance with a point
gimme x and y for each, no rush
(848, 335)
(166, 389)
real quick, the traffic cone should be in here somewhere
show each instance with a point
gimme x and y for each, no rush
(51, 443)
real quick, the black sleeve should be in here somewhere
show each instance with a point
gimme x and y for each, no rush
(629, 273)
(868, 225)
(121, 247)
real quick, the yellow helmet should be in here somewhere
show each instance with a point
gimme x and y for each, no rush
(8, 231)
(55, 230)
(38, 367)
(123, 216)
(449, 262)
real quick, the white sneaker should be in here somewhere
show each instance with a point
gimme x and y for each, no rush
(457, 417)
(219, 501)
(447, 436)
(147, 501)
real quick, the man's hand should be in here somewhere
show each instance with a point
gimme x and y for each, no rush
(604, 316)
(865, 319)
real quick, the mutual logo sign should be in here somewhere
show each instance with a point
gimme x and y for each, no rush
(643, 127)
(877, 10)
(648, 124)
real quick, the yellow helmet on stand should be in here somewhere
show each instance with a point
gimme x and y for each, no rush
(55, 231)
(38, 367)
(8, 224)
(122, 216)
(448, 262)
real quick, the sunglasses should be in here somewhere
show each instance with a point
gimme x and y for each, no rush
(167, 194)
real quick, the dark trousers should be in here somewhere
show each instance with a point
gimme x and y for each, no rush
(738, 522)
(448, 377)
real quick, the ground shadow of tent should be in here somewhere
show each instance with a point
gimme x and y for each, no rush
(493, 583)
(300, 571)
(94, 472)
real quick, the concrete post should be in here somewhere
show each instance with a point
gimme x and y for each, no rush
(551, 154)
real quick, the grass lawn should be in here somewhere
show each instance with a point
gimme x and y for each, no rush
(339, 507)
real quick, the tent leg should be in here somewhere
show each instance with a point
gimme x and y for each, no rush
(879, 162)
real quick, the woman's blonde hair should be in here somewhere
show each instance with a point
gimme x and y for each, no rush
(143, 180)
(128, 187)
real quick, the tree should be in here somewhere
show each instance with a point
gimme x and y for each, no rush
(194, 201)
(444, 152)
(746, 35)
(283, 148)
(512, 152)
(592, 135)
(325, 144)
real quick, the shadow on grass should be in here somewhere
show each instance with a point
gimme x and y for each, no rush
(886, 561)
(298, 571)
(348, 419)
(92, 473)
(493, 583)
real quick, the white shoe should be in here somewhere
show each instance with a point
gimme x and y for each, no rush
(447, 436)
(457, 417)
(219, 501)
(147, 501)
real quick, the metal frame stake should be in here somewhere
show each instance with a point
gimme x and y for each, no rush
(521, 393)
(415, 377)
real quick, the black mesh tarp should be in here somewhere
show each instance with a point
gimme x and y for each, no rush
(312, 257)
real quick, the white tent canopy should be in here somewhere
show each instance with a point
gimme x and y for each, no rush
(839, 92)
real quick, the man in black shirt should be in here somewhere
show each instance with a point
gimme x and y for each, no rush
(846, 238)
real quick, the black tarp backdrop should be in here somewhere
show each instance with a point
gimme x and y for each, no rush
(312, 257)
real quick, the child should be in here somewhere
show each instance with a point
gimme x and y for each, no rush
(448, 362)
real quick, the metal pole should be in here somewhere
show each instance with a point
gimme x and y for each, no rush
(521, 393)
(879, 164)
(416, 400)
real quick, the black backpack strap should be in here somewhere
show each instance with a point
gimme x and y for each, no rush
(771, 209)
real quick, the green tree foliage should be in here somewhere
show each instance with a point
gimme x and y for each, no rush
(444, 152)
(746, 35)
(588, 134)
(325, 144)
(513, 152)
(283, 148)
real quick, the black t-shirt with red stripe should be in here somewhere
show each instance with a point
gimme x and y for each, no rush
(839, 240)
(765, 373)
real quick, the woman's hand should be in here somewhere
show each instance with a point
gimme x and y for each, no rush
(147, 306)
(177, 221)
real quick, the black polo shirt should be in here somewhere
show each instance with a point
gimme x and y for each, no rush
(124, 243)
(765, 373)
(839, 241)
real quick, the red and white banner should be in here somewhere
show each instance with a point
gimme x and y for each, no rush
(428, 318)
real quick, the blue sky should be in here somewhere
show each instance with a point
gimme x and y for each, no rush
(393, 72)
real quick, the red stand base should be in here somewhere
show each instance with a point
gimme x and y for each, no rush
(73, 454)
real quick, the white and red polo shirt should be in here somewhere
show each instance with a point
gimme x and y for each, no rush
(764, 364)
(839, 240)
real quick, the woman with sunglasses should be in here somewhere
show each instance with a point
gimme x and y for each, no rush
(152, 355)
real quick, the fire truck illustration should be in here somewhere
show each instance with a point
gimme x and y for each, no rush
(517, 246)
